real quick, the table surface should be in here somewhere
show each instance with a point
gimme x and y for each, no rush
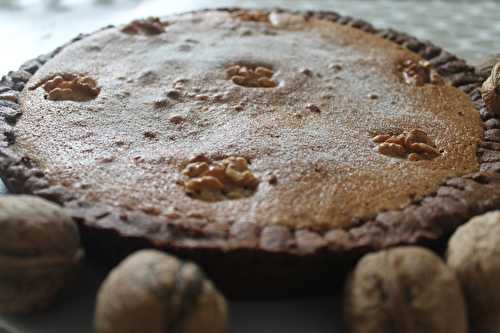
(467, 29)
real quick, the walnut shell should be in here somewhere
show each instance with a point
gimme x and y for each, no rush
(474, 254)
(405, 289)
(40, 253)
(485, 64)
(490, 91)
(157, 293)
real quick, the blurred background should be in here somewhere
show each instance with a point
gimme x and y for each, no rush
(31, 27)
(28, 28)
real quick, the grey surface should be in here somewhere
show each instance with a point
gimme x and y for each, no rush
(74, 314)
(31, 27)
(468, 28)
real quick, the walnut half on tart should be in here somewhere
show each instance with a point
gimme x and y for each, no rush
(232, 169)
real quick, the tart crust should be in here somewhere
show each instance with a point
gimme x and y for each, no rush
(278, 258)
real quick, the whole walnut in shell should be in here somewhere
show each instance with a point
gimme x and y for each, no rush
(485, 64)
(474, 254)
(157, 293)
(405, 289)
(490, 91)
(40, 253)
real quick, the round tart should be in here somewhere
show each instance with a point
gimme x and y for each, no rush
(273, 147)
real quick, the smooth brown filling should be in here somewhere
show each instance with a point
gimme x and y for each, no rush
(307, 138)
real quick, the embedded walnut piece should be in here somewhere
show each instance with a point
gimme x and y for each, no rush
(423, 149)
(405, 289)
(161, 103)
(263, 72)
(397, 139)
(40, 253)
(418, 73)
(217, 180)
(148, 27)
(490, 91)
(286, 20)
(414, 144)
(176, 119)
(392, 149)
(264, 82)
(247, 76)
(173, 93)
(381, 138)
(154, 292)
(474, 254)
(71, 87)
(313, 108)
(417, 136)
(252, 16)
(414, 157)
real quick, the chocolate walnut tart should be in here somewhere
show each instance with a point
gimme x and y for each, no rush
(272, 147)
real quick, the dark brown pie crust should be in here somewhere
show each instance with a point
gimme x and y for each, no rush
(268, 260)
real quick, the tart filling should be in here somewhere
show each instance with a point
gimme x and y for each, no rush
(300, 101)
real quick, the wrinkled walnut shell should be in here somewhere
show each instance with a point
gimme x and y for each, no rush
(157, 293)
(406, 289)
(39, 253)
(490, 91)
(486, 64)
(474, 254)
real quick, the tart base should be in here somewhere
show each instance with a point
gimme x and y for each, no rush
(272, 261)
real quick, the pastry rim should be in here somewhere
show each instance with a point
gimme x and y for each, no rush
(454, 202)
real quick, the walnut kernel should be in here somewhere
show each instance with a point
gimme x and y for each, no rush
(176, 119)
(413, 144)
(239, 80)
(313, 108)
(405, 289)
(417, 136)
(71, 87)
(263, 72)
(418, 73)
(392, 149)
(161, 103)
(149, 27)
(153, 292)
(381, 138)
(414, 157)
(195, 169)
(424, 149)
(251, 76)
(265, 82)
(251, 15)
(286, 20)
(215, 180)
(397, 139)
(232, 71)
